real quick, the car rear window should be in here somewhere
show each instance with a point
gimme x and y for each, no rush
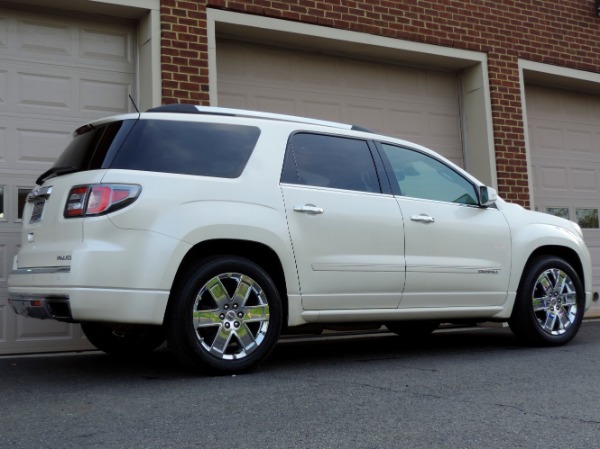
(191, 148)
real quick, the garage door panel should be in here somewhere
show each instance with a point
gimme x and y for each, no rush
(56, 73)
(3, 87)
(79, 95)
(3, 144)
(43, 91)
(106, 44)
(106, 96)
(375, 95)
(28, 329)
(322, 108)
(63, 41)
(267, 101)
(45, 35)
(317, 72)
(564, 135)
(584, 181)
(32, 144)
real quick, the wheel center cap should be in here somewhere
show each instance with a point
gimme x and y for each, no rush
(230, 315)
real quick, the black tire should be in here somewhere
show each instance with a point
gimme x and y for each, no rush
(124, 339)
(235, 332)
(550, 303)
(412, 329)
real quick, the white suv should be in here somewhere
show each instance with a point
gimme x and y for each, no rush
(219, 229)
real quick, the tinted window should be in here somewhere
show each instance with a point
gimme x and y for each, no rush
(421, 176)
(330, 161)
(205, 149)
(88, 149)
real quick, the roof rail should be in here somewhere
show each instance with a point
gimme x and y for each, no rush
(210, 110)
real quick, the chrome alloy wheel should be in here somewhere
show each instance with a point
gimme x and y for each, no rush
(231, 316)
(554, 301)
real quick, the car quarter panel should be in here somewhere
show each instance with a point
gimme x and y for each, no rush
(534, 232)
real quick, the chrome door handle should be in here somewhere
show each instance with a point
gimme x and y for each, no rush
(423, 218)
(309, 209)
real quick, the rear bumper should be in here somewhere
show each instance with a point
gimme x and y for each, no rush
(42, 307)
(75, 304)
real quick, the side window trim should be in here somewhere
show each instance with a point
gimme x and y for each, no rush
(389, 171)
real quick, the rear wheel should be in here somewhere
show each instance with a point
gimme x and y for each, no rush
(124, 339)
(226, 316)
(550, 303)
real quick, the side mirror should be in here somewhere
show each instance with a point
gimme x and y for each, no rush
(487, 196)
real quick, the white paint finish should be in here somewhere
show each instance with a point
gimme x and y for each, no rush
(564, 141)
(252, 208)
(375, 95)
(56, 72)
(451, 252)
(350, 256)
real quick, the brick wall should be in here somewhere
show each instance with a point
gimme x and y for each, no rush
(560, 32)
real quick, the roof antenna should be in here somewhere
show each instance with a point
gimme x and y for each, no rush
(133, 103)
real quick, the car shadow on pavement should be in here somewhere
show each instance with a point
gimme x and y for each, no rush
(292, 352)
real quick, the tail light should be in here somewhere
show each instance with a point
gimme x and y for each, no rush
(99, 199)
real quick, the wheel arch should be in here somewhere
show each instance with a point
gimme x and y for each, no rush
(568, 254)
(256, 252)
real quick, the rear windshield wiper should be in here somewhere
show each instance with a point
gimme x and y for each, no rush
(54, 171)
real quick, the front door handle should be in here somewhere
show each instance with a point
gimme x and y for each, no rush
(423, 218)
(309, 209)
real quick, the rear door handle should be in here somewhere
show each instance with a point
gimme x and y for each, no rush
(423, 218)
(309, 209)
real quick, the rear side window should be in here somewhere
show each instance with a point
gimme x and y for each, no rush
(90, 146)
(330, 161)
(190, 148)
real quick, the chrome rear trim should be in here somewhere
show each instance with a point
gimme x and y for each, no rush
(42, 270)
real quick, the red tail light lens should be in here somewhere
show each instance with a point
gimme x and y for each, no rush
(99, 199)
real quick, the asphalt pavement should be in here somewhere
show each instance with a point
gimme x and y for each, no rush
(465, 388)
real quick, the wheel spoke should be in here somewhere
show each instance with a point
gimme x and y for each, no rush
(570, 299)
(206, 318)
(549, 323)
(246, 338)
(563, 320)
(545, 283)
(221, 342)
(256, 313)
(218, 291)
(562, 281)
(539, 304)
(243, 290)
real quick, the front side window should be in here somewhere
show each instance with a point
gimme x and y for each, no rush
(330, 161)
(421, 176)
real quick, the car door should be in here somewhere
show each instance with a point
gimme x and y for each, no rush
(457, 253)
(347, 236)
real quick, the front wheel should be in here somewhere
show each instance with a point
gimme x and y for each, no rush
(550, 303)
(226, 315)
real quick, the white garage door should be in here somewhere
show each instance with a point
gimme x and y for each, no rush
(417, 105)
(56, 72)
(564, 130)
